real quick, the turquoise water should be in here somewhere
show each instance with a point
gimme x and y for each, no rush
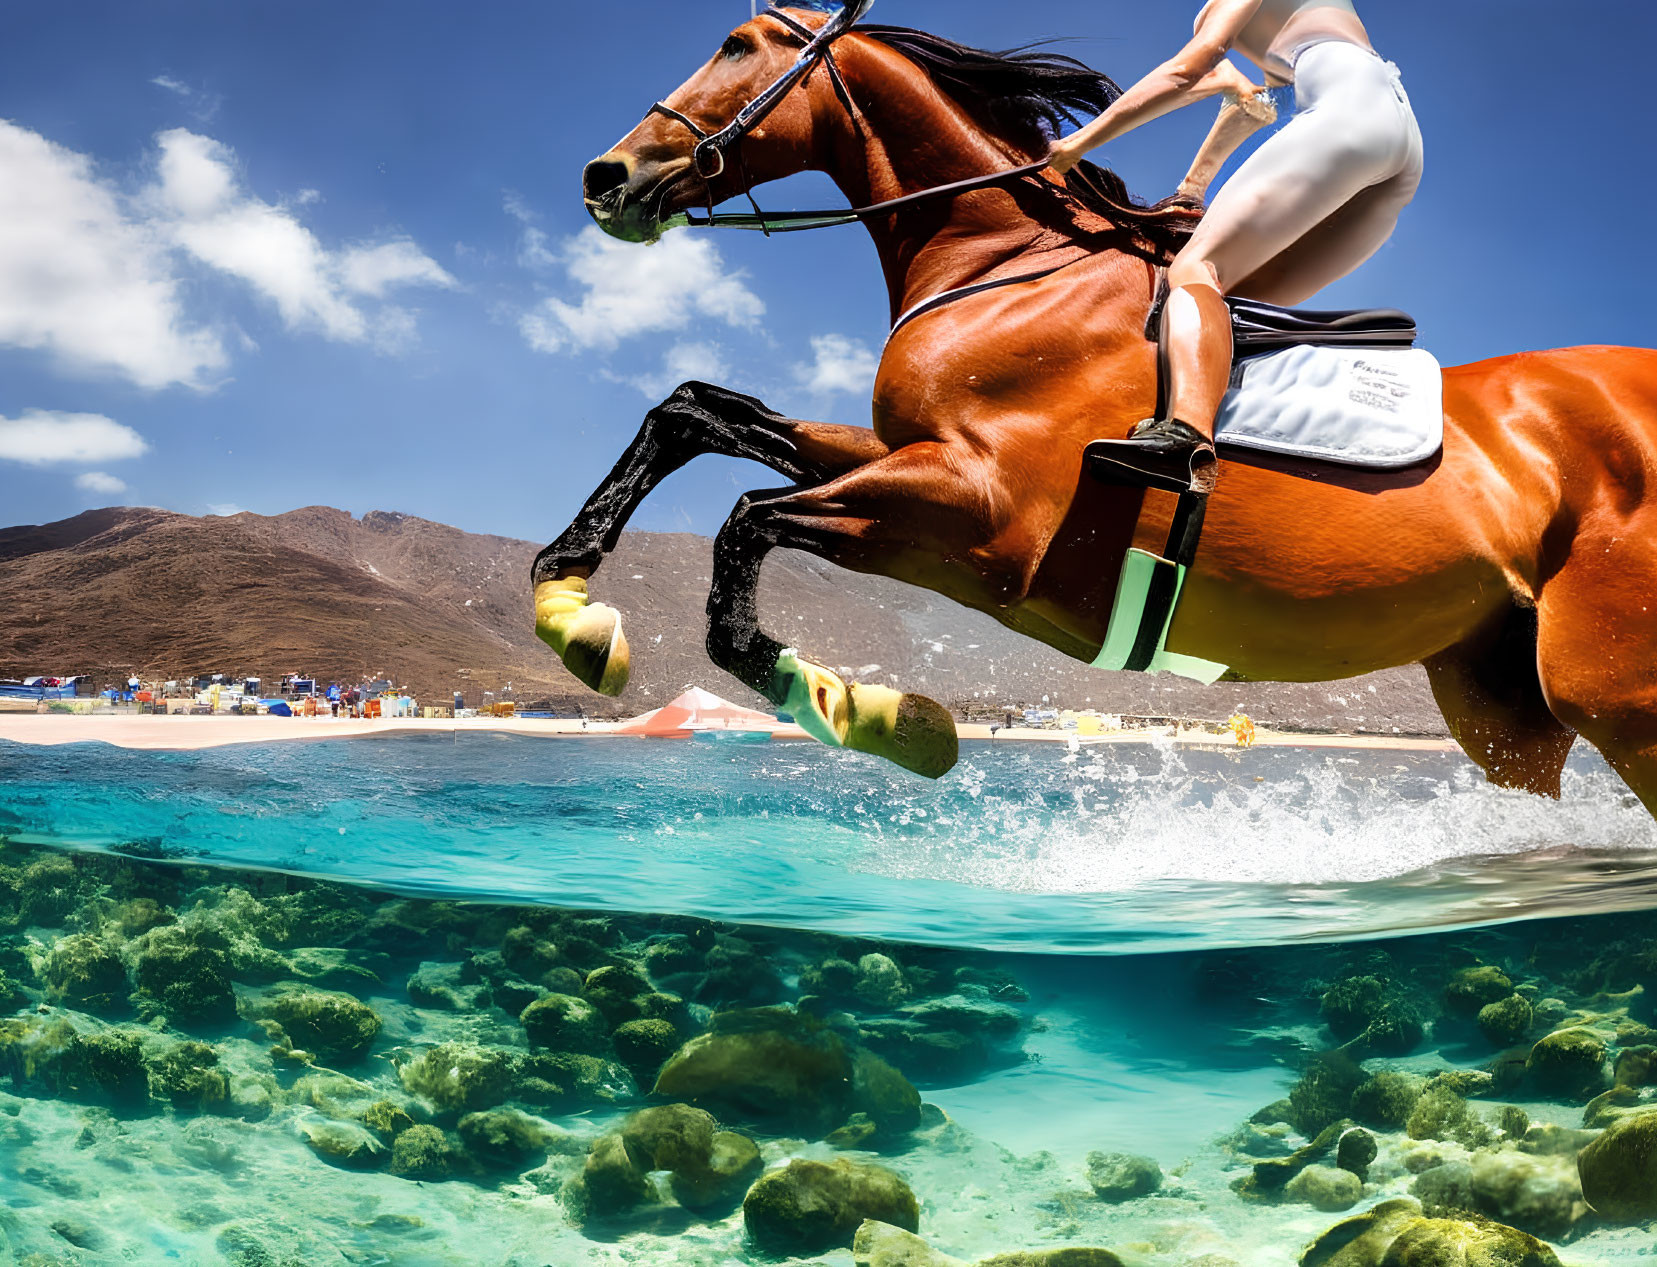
(1198, 958)
(1025, 847)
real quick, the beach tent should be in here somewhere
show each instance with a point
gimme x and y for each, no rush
(696, 710)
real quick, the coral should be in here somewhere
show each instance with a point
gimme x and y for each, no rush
(332, 1027)
(563, 1023)
(809, 1207)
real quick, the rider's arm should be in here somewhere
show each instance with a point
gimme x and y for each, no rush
(1187, 77)
(1241, 116)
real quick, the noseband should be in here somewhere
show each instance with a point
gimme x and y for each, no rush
(709, 155)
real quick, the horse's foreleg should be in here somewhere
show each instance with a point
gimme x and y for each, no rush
(923, 514)
(696, 419)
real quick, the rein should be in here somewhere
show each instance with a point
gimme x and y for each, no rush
(709, 157)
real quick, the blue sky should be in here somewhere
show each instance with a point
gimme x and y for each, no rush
(265, 256)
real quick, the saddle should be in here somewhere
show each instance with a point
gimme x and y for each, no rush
(1333, 386)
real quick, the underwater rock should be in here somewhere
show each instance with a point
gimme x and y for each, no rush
(880, 984)
(1471, 989)
(644, 1046)
(1327, 1188)
(1068, 1257)
(566, 1080)
(1550, 1139)
(1514, 1121)
(334, 968)
(1505, 1021)
(12, 997)
(1569, 1062)
(674, 956)
(87, 973)
(386, 1119)
(784, 1069)
(1394, 1234)
(564, 1023)
(609, 1184)
(1122, 1176)
(1608, 1106)
(188, 1077)
(460, 1077)
(186, 981)
(1636, 1065)
(137, 916)
(47, 891)
(438, 986)
(613, 991)
(1375, 1011)
(856, 1132)
(526, 952)
(1442, 1114)
(96, 1067)
(425, 1152)
(1540, 1194)
(1273, 1174)
(808, 1207)
(332, 1027)
(345, 1144)
(1446, 1189)
(504, 1139)
(1619, 1169)
(709, 1169)
(1356, 1150)
(735, 976)
(882, 1245)
(1323, 1096)
(718, 1183)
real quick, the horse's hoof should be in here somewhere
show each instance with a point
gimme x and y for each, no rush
(586, 636)
(596, 650)
(912, 731)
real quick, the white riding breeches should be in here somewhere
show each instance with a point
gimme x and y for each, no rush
(1322, 194)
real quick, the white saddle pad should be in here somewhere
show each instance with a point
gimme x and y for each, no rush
(1380, 408)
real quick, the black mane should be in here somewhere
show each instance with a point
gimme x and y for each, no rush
(1027, 97)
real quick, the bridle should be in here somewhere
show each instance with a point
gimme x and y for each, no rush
(709, 157)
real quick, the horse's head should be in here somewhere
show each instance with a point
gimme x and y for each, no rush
(677, 158)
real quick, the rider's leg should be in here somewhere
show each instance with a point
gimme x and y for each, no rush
(1355, 132)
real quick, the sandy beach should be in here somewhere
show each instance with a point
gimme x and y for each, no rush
(181, 733)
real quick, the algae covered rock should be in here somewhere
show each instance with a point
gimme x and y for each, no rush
(1323, 1095)
(1618, 1170)
(1388, 1098)
(345, 1144)
(644, 1046)
(186, 981)
(332, 1027)
(1569, 1062)
(613, 990)
(504, 1139)
(1122, 1176)
(610, 1184)
(788, 1071)
(1327, 1188)
(878, 1244)
(425, 1152)
(1373, 1010)
(188, 1076)
(96, 1066)
(1445, 1189)
(717, 1183)
(561, 1022)
(710, 1169)
(1505, 1021)
(1470, 989)
(460, 1077)
(1395, 1234)
(879, 983)
(86, 973)
(809, 1207)
(1540, 1194)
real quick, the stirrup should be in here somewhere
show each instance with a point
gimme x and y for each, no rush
(1162, 453)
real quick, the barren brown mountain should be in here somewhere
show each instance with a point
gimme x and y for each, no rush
(435, 608)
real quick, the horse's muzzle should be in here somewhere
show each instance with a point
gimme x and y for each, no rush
(624, 195)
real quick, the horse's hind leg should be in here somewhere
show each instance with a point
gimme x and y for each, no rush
(1491, 697)
(1598, 648)
(696, 419)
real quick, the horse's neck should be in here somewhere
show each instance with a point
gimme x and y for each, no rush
(908, 138)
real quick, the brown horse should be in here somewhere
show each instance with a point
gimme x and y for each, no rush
(1520, 567)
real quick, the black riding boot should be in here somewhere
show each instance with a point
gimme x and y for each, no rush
(1158, 453)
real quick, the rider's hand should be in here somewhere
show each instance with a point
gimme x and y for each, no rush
(1061, 158)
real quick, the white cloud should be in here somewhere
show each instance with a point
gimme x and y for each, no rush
(629, 290)
(204, 105)
(100, 482)
(372, 270)
(223, 226)
(683, 361)
(225, 509)
(41, 437)
(83, 282)
(840, 364)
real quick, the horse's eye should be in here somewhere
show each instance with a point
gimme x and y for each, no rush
(733, 49)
